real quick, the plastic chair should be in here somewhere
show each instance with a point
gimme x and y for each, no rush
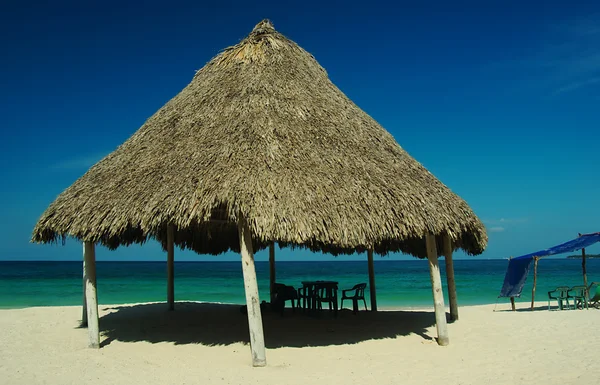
(595, 299)
(304, 298)
(578, 293)
(359, 293)
(283, 293)
(327, 294)
(561, 296)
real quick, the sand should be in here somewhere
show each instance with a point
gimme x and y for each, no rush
(207, 344)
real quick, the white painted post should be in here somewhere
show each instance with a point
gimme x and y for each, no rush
(170, 267)
(372, 280)
(84, 321)
(257, 339)
(438, 294)
(89, 255)
(452, 297)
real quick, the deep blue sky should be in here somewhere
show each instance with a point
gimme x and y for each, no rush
(500, 100)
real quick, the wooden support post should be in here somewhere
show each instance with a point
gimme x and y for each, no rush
(535, 263)
(452, 298)
(171, 267)
(512, 303)
(89, 256)
(587, 295)
(372, 280)
(272, 271)
(84, 320)
(438, 294)
(257, 339)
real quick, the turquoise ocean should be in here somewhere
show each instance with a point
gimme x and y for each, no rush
(400, 283)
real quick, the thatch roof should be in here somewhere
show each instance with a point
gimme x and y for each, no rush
(262, 132)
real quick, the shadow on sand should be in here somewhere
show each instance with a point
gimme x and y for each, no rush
(536, 308)
(526, 307)
(217, 324)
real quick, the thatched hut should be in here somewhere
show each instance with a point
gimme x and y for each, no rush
(261, 148)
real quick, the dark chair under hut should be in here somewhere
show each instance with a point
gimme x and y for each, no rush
(355, 294)
(283, 293)
(327, 293)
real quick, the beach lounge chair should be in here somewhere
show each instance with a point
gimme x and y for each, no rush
(594, 300)
(358, 294)
(284, 293)
(578, 294)
(561, 295)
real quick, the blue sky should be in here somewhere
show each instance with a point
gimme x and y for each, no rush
(498, 99)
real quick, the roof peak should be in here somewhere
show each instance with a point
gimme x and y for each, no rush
(265, 26)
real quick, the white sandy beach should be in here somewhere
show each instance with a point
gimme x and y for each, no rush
(205, 344)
